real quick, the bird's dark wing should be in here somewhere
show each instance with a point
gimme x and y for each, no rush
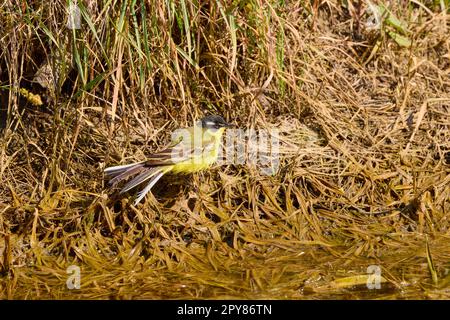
(175, 154)
(164, 157)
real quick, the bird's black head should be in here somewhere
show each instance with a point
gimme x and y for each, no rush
(215, 122)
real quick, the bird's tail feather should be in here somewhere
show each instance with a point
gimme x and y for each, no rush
(113, 171)
(141, 172)
(155, 177)
(146, 174)
(120, 173)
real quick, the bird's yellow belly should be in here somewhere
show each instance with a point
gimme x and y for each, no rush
(195, 164)
(189, 167)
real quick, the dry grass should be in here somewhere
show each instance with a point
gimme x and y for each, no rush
(364, 178)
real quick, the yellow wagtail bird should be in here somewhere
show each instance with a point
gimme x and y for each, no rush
(196, 149)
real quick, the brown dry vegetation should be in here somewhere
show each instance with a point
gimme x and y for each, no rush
(364, 179)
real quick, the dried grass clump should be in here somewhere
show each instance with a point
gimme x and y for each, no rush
(362, 114)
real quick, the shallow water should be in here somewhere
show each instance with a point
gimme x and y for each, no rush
(309, 273)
